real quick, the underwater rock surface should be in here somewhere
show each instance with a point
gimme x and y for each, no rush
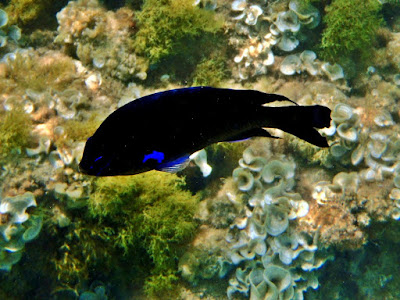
(275, 219)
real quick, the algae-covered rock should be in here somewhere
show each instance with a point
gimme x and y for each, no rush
(15, 130)
(102, 39)
(350, 29)
(149, 220)
(165, 27)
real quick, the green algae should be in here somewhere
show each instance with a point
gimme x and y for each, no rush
(166, 27)
(210, 72)
(175, 36)
(151, 213)
(15, 130)
(77, 131)
(350, 30)
(81, 131)
(32, 14)
(134, 242)
(40, 73)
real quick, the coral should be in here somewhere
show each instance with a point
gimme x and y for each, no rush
(364, 142)
(200, 159)
(222, 157)
(350, 29)
(220, 212)
(334, 219)
(259, 30)
(273, 257)
(16, 227)
(264, 233)
(101, 39)
(306, 12)
(96, 293)
(15, 132)
(227, 154)
(155, 221)
(167, 27)
(7, 32)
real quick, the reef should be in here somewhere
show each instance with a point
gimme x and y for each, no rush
(30, 15)
(263, 218)
(165, 28)
(101, 39)
(275, 259)
(8, 32)
(261, 30)
(15, 128)
(272, 257)
(164, 216)
(17, 228)
(178, 35)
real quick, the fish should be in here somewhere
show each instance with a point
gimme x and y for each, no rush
(160, 131)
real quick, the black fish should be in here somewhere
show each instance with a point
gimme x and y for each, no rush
(161, 130)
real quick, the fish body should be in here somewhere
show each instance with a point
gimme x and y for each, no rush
(161, 130)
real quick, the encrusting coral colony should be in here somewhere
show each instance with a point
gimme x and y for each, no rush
(275, 219)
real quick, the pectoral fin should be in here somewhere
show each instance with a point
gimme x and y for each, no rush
(174, 166)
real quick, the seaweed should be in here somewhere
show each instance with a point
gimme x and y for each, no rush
(15, 129)
(40, 73)
(210, 72)
(164, 25)
(77, 131)
(155, 221)
(176, 35)
(132, 237)
(350, 30)
(33, 14)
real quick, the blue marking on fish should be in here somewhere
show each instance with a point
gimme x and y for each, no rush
(175, 165)
(158, 156)
(100, 157)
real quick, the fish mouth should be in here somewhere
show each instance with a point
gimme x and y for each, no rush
(85, 168)
(82, 169)
(93, 169)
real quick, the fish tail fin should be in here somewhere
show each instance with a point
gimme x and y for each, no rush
(300, 121)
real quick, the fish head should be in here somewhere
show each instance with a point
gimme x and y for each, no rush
(96, 159)
(112, 158)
